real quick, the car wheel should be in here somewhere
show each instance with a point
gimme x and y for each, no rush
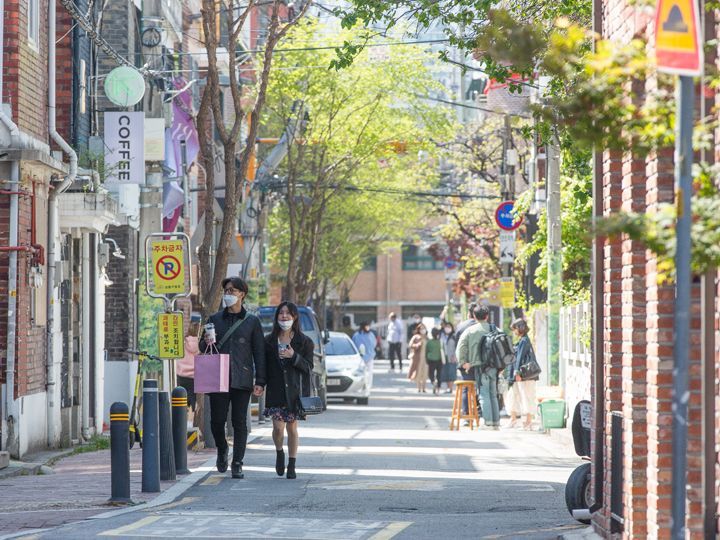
(363, 400)
(578, 491)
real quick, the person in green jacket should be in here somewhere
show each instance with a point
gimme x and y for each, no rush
(468, 353)
(433, 357)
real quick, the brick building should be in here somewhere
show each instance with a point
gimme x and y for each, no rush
(632, 451)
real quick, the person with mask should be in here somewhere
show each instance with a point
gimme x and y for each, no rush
(418, 364)
(245, 344)
(395, 339)
(365, 340)
(450, 366)
(289, 357)
(416, 319)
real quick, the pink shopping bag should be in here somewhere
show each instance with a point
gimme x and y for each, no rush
(212, 373)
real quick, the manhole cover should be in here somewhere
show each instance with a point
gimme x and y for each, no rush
(396, 509)
(512, 509)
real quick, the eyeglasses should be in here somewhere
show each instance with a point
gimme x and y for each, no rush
(231, 290)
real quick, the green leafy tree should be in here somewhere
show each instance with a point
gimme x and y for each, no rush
(348, 183)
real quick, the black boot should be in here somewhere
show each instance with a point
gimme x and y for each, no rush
(236, 470)
(222, 460)
(280, 462)
(291, 469)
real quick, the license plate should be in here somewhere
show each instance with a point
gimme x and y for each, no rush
(333, 382)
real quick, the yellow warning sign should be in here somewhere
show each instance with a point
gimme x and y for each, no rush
(507, 292)
(171, 342)
(678, 48)
(168, 266)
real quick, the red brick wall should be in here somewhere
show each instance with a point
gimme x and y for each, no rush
(25, 69)
(64, 70)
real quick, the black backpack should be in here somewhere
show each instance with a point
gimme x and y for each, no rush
(496, 350)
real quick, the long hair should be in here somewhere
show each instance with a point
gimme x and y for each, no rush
(292, 308)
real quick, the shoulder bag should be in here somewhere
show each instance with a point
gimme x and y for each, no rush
(310, 405)
(530, 369)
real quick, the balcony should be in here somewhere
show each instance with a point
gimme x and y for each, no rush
(88, 210)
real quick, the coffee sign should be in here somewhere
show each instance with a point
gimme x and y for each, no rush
(125, 147)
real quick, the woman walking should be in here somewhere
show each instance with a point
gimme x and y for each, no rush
(418, 365)
(450, 366)
(289, 359)
(434, 357)
(523, 390)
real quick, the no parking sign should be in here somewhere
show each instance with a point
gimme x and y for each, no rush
(167, 265)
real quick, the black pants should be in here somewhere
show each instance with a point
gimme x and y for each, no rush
(434, 370)
(219, 403)
(395, 349)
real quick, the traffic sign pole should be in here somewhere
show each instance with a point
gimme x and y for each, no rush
(685, 91)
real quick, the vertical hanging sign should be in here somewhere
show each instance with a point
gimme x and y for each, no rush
(125, 147)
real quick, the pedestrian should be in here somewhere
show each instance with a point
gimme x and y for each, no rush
(416, 319)
(449, 347)
(365, 340)
(185, 366)
(245, 344)
(289, 357)
(395, 340)
(418, 365)
(523, 391)
(434, 359)
(469, 355)
(466, 375)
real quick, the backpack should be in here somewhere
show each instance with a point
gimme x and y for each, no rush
(496, 350)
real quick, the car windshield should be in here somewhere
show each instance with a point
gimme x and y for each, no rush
(340, 346)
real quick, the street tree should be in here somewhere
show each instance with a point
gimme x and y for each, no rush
(237, 131)
(349, 183)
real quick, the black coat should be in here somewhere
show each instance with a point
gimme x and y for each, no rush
(246, 348)
(285, 376)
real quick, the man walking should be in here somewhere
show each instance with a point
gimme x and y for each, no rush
(470, 356)
(394, 339)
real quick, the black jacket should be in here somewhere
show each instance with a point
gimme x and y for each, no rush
(246, 348)
(285, 376)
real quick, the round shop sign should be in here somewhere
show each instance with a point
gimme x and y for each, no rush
(504, 216)
(124, 86)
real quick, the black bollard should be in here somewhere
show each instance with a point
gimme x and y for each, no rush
(179, 429)
(151, 439)
(119, 453)
(167, 454)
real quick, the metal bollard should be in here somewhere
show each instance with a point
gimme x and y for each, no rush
(167, 454)
(119, 453)
(151, 439)
(179, 429)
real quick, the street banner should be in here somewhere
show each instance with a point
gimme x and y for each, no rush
(678, 45)
(170, 335)
(168, 266)
(507, 292)
(124, 147)
(507, 247)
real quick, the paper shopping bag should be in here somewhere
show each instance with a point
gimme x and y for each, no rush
(212, 373)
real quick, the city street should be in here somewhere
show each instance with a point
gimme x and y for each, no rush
(388, 470)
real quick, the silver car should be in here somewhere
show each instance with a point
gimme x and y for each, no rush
(348, 375)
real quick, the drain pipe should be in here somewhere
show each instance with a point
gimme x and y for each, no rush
(53, 229)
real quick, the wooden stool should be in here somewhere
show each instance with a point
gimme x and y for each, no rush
(457, 414)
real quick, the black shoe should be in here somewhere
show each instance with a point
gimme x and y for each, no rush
(280, 463)
(291, 469)
(222, 460)
(237, 470)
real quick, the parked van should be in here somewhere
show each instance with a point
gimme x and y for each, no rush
(311, 328)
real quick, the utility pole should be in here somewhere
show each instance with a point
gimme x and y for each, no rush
(554, 259)
(509, 160)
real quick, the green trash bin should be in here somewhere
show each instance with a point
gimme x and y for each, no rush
(552, 413)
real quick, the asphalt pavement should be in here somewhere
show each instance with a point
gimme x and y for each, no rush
(390, 469)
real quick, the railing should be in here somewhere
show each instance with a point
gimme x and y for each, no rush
(575, 355)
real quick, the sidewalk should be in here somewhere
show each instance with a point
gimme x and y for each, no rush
(75, 487)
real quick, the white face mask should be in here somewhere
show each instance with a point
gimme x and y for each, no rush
(285, 325)
(229, 300)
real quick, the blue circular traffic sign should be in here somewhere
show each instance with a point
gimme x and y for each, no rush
(504, 216)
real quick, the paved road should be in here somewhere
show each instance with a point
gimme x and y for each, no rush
(388, 470)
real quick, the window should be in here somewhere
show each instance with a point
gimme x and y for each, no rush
(34, 23)
(370, 264)
(416, 258)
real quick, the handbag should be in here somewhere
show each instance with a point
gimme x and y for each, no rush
(312, 404)
(529, 370)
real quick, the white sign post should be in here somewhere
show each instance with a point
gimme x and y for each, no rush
(507, 247)
(125, 147)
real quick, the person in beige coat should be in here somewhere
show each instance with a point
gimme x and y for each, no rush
(418, 364)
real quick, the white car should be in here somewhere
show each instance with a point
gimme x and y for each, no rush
(348, 376)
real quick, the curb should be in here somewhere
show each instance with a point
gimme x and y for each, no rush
(29, 468)
(584, 534)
